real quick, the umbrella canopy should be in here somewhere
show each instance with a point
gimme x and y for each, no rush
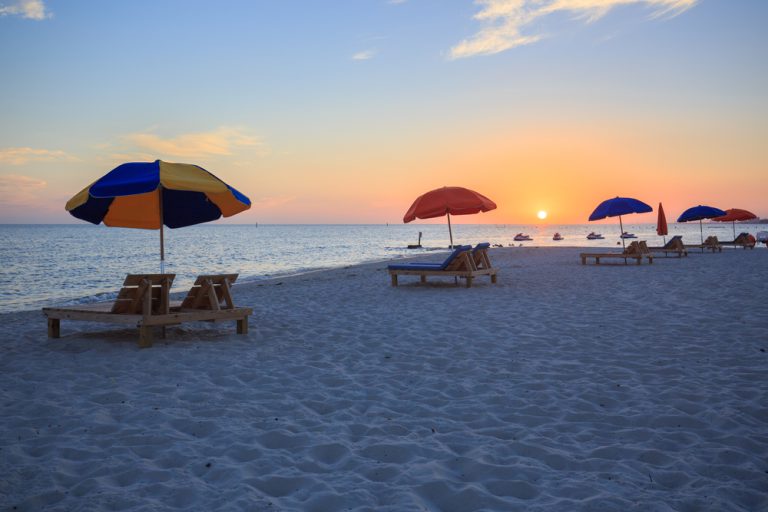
(448, 201)
(735, 214)
(661, 224)
(699, 213)
(150, 195)
(617, 207)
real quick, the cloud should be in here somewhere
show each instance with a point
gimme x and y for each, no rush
(505, 20)
(21, 156)
(19, 190)
(28, 9)
(220, 142)
(364, 55)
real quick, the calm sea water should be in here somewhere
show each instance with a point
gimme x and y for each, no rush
(64, 264)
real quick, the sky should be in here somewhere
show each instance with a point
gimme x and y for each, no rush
(344, 111)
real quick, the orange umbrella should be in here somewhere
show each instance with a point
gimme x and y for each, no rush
(447, 201)
(733, 215)
(661, 224)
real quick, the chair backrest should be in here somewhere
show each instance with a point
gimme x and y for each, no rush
(675, 242)
(480, 256)
(642, 247)
(145, 294)
(211, 292)
(711, 241)
(458, 259)
(743, 238)
(633, 248)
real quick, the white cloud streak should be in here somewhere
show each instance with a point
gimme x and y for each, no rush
(220, 142)
(28, 9)
(364, 55)
(504, 21)
(24, 155)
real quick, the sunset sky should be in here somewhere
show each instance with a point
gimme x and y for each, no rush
(344, 111)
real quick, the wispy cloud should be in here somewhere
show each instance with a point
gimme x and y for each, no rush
(19, 190)
(29, 9)
(223, 141)
(364, 55)
(504, 21)
(21, 156)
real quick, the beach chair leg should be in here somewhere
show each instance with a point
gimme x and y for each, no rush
(423, 279)
(162, 331)
(54, 328)
(242, 325)
(469, 281)
(493, 278)
(145, 336)
(394, 279)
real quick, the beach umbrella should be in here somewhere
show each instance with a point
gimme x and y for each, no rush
(661, 224)
(150, 195)
(617, 207)
(699, 213)
(734, 214)
(448, 201)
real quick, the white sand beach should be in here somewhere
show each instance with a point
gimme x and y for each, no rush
(561, 388)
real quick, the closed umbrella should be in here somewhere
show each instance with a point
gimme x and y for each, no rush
(448, 201)
(699, 213)
(734, 214)
(150, 195)
(661, 224)
(617, 207)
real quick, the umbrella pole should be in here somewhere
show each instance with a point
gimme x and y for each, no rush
(450, 232)
(734, 229)
(623, 246)
(162, 240)
(701, 231)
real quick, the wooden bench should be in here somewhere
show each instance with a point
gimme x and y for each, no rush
(144, 302)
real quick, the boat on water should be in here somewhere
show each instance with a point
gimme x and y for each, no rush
(762, 237)
(557, 237)
(594, 236)
(522, 238)
(628, 235)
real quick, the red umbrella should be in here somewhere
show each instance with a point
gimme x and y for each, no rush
(733, 215)
(661, 224)
(447, 201)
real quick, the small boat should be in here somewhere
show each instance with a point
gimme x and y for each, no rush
(522, 238)
(557, 237)
(594, 236)
(628, 235)
(762, 237)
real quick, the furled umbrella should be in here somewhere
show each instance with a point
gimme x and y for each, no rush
(734, 214)
(699, 213)
(661, 224)
(617, 207)
(448, 201)
(150, 195)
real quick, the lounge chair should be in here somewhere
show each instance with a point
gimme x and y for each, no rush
(144, 302)
(460, 263)
(711, 243)
(744, 240)
(637, 250)
(480, 257)
(674, 245)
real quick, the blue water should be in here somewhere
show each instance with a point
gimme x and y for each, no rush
(44, 265)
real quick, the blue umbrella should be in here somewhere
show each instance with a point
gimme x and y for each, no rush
(698, 213)
(617, 207)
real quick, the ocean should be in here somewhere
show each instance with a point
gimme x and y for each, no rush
(43, 265)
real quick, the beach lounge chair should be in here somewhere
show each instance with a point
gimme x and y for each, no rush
(711, 244)
(480, 256)
(744, 240)
(459, 263)
(674, 246)
(637, 250)
(144, 302)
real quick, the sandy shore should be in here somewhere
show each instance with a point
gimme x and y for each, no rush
(563, 387)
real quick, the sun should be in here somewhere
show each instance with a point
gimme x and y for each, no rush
(542, 214)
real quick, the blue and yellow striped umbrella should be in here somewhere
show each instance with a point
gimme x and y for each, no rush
(149, 195)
